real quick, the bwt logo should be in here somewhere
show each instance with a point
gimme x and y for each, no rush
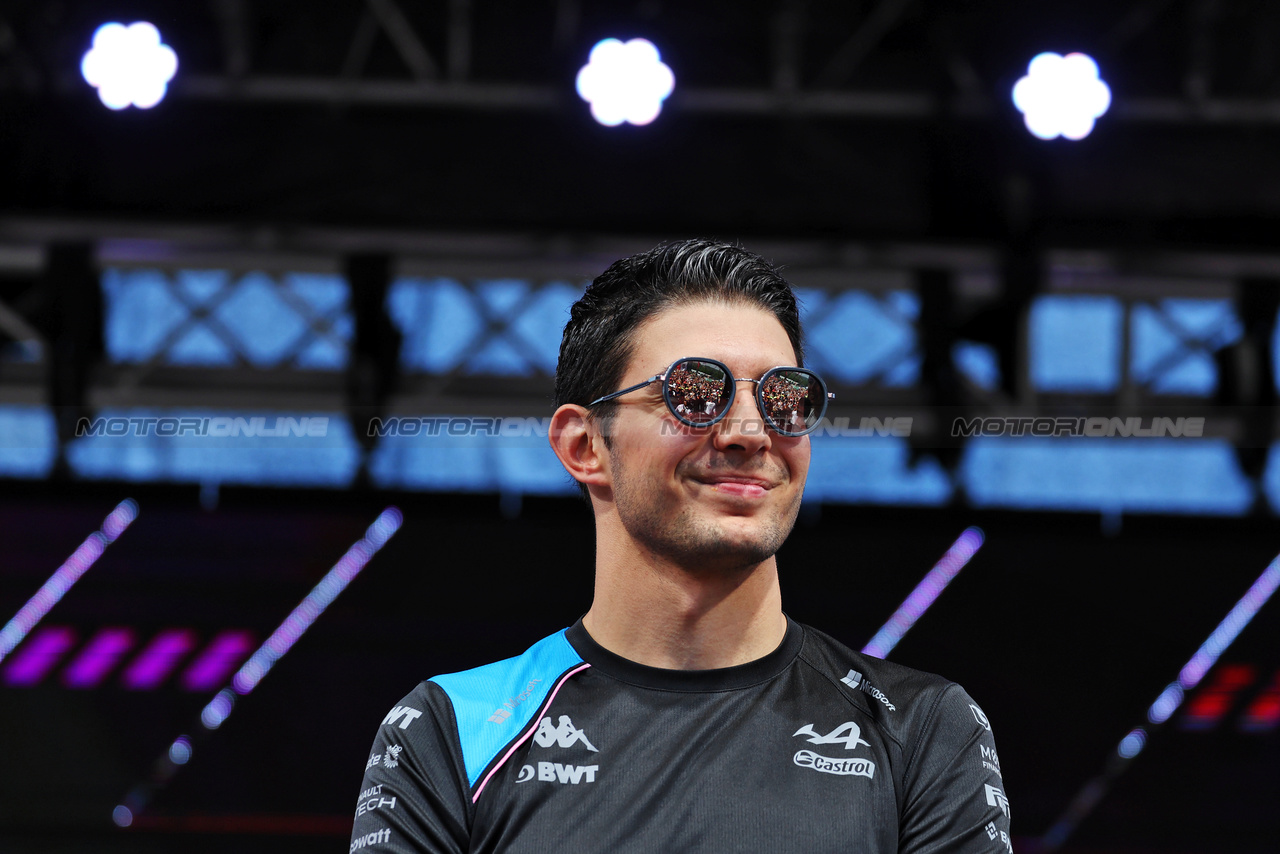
(216, 428)
(552, 772)
(409, 714)
(378, 837)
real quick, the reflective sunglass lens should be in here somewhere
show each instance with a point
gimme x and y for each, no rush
(697, 391)
(792, 400)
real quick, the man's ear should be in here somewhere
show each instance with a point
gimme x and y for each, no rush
(577, 441)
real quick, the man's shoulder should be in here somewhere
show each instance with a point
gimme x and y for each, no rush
(535, 667)
(491, 703)
(895, 688)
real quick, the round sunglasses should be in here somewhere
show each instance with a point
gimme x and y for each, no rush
(699, 392)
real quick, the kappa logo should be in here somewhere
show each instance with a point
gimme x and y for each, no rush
(981, 717)
(564, 735)
(847, 734)
(996, 798)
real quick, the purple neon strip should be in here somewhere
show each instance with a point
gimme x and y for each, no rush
(925, 593)
(66, 575)
(98, 658)
(38, 656)
(314, 603)
(1169, 700)
(156, 661)
(1216, 644)
(216, 661)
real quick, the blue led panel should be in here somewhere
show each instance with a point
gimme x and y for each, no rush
(446, 325)
(1075, 343)
(28, 441)
(872, 470)
(1162, 361)
(853, 337)
(1271, 478)
(474, 463)
(978, 362)
(299, 320)
(1106, 475)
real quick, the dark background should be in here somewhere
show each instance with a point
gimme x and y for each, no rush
(1065, 626)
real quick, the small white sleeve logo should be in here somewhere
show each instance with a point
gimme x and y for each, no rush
(980, 717)
(996, 798)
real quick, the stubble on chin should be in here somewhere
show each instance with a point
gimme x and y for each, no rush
(701, 543)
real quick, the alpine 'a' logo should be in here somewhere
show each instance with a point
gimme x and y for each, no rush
(847, 734)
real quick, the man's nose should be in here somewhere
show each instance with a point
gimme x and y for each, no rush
(742, 427)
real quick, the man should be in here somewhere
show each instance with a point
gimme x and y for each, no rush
(685, 711)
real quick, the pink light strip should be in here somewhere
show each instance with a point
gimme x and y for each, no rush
(39, 655)
(157, 659)
(223, 655)
(66, 575)
(98, 658)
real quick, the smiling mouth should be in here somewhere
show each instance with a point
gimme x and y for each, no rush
(741, 487)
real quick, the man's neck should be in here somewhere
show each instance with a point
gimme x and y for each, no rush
(664, 616)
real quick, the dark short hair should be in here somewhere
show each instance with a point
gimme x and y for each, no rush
(599, 338)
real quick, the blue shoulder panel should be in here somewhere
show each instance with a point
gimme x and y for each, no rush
(496, 702)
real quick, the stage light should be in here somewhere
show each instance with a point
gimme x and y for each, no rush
(925, 593)
(1131, 745)
(1061, 96)
(625, 82)
(129, 65)
(66, 575)
(180, 750)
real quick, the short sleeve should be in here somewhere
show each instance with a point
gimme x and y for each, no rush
(414, 796)
(955, 799)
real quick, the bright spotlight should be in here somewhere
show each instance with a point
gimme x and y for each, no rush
(625, 82)
(129, 65)
(1061, 96)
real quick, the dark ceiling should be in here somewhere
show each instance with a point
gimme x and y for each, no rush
(846, 120)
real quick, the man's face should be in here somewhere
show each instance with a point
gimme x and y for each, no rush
(717, 498)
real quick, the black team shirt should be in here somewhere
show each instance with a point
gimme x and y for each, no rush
(569, 748)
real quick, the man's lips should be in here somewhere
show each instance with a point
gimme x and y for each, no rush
(738, 485)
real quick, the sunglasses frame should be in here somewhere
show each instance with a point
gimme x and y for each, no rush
(733, 392)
